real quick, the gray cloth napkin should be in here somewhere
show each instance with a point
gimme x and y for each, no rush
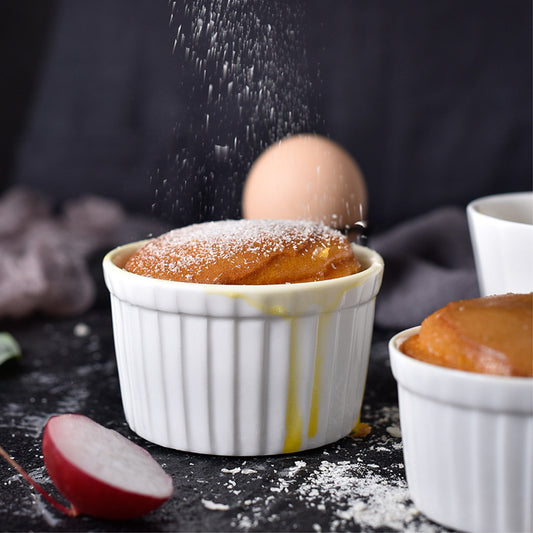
(44, 255)
(428, 263)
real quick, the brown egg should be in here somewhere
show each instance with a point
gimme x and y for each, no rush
(306, 177)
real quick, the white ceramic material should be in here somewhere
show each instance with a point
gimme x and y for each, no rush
(468, 444)
(242, 370)
(501, 230)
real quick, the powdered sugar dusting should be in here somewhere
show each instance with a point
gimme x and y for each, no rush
(190, 253)
(230, 237)
(339, 492)
(361, 495)
(247, 85)
(213, 506)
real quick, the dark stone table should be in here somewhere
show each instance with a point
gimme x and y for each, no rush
(68, 365)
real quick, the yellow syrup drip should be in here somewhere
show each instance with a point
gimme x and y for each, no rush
(315, 399)
(293, 415)
(326, 302)
(324, 320)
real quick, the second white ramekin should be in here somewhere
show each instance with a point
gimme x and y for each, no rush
(468, 444)
(242, 370)
(501, 231)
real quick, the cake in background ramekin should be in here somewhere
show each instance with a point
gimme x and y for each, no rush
(490, 335)
(467, 437)
(242, 369)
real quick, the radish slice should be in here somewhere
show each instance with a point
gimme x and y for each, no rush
(100, 472)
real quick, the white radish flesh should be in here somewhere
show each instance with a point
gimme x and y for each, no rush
(99, 471)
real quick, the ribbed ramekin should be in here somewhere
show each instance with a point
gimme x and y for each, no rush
(242, 369)
(468, 444)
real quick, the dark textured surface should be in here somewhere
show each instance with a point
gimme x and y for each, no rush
(68, 365)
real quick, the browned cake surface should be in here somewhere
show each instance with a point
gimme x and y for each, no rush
(247, 252)
(490, 335)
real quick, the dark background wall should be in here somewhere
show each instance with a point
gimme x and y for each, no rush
(432, 98)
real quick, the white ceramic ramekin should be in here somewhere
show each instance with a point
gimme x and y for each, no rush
(242, 370)
(468, 444)
(501, 230)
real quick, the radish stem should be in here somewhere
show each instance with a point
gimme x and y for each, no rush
(69, 511)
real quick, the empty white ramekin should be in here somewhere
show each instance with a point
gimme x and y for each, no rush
(501, 231)
(242, 369)
(468, 444)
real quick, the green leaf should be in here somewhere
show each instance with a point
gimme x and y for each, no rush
(9, 348)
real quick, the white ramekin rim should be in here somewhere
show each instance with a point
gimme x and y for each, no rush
(505, 394)
(474, 208)
(116, 258)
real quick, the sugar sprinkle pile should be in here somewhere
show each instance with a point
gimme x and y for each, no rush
(339, 494)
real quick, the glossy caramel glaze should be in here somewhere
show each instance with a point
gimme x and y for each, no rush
(247, 252)
(490, 335)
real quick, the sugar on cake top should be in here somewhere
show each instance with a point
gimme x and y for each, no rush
(247, 252)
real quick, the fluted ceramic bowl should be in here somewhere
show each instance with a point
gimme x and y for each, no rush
(468, 443)
(242, 369)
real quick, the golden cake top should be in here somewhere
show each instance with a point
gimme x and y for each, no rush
(490, 335)
(253, 252)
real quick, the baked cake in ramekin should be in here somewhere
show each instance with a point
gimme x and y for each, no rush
(468, 431)
(235, 369)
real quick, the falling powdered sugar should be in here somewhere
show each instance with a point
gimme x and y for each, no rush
(244, 83)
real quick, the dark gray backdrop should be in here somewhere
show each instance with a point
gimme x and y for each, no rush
(432, 98)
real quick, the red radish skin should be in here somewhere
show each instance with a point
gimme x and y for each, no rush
(93, 468)
(100, 472)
